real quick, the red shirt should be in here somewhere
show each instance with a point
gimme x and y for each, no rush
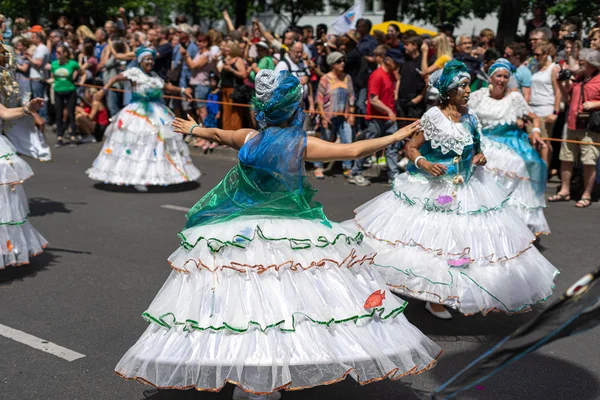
(381, 84)
(101, 115)
(591, 92)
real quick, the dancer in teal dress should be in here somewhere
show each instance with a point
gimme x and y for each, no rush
(444, 233)
(267, 293)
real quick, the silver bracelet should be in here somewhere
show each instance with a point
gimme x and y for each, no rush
(417, 161)
(534, 130)
(195, 126)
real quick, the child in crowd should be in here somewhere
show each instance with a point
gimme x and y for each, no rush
(213, 112)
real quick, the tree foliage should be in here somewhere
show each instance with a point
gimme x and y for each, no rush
(454, 11)
(296, 8)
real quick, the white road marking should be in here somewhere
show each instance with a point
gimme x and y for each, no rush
(176, 208)
(39, 344)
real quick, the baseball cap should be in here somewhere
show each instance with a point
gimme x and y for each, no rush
(395, 55)
(37, 28)
(333, 57)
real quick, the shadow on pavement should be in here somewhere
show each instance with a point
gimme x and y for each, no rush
(181, 187)
(39, 206)
(536, 376)
(36, 264)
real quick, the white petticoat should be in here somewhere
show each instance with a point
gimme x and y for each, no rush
(473, 253)
(269, 304)
(18, 239)
(511, 173)
(27, 138)
(142, 149)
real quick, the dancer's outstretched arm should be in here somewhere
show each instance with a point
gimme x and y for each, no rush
(321, 150)
(233, 139)
(8, 114)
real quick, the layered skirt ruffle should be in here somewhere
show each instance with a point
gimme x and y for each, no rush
(274, 303)
(458, 245)
(142, 149)
(18, 239)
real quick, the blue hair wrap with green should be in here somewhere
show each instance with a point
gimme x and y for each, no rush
(449, 78)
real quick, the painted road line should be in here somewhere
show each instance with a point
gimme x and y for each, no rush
(176, 208)
(39, 344)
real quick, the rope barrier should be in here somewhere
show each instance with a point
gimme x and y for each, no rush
(318, 112)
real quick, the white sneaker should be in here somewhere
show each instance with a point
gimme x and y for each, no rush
(239, 394)
(141, 188)
(438, 314)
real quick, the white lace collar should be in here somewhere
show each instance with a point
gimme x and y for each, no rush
(492, 112)
(443, 133)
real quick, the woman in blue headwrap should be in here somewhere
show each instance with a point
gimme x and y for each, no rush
(512, 157)
(443, 233)
(141, 147)
(267, 293)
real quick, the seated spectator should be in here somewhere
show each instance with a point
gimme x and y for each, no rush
(580, 107)
(91, 118)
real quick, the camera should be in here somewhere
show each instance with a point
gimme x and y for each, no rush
(571, 36)
(565, 75)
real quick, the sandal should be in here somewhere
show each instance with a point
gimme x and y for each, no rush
(584, 202)
(559, 197)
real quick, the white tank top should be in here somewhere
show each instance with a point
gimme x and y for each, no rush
(542, 92)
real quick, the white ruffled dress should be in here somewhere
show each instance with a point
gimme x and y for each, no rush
(510, 155)
(141, 147)
(452, 239)
(18, 239)
(271, 302)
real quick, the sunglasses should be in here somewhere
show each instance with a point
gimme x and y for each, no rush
(341, 60)
(538, 54)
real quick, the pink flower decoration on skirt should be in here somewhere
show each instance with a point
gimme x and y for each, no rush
(443, 200)
(459, 262)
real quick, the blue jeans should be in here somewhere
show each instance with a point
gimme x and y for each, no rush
(339, 126)
(38, 89)
(127, 94)
(113, 101)
(379, 128)
(361, 108)
(201, 92)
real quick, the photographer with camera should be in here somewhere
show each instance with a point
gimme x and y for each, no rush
(583, 124)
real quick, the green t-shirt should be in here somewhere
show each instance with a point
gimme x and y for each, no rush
(63, 75)
(264, 63)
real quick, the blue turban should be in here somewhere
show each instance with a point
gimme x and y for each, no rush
(277, 96)
(142, 52)
(502, 63)
(450, 77)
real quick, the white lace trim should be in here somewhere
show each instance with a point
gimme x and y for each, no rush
(143, 82)
(441, 132)
(492, 112)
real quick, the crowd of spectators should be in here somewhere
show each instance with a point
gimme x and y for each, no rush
(363, 72)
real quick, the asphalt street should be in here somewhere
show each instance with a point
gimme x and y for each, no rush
(107, 260)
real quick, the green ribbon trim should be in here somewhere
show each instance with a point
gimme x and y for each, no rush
(409, 272)
(13, 223)
(8, 155)
(241, 242)
(190, 324)
(429, 205)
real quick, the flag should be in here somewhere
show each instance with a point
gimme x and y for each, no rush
(347, 21)
(576, 311)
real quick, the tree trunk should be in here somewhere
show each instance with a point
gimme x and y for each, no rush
(241, 9)
(390, 10)
(508, 23)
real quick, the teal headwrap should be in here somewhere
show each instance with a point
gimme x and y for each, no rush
(449, 78)
(502, 64)
(142, 52)
(277, 97)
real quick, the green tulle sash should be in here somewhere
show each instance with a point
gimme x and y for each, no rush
(252, 191)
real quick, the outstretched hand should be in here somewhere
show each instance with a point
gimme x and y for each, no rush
(407, 131)
(183, 125)
(35, 104)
